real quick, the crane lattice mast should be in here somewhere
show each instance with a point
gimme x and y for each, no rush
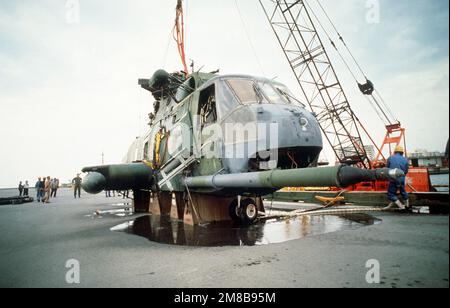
(321, 88)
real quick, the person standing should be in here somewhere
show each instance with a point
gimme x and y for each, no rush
(54, 186)
(26, 188)
(20, 189)
(76, 182)
(47, 190)
(42, 187)
(398, 161)
(38, 190)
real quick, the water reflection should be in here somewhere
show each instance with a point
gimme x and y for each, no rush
(117, 212)
(166, 231)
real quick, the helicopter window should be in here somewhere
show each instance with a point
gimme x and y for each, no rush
(246, 91)
(208, 112)
(287, 94)
(146, 151)
(226, 101)
(272, 95)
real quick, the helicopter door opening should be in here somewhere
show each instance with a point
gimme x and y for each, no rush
(207, 106)
(208, 118)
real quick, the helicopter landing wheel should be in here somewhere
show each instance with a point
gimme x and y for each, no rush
(246, 214)
(249, 211)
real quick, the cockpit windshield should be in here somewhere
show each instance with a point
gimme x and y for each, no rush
(287, 94)
(246, 91)
(273, 96)
(249, 91)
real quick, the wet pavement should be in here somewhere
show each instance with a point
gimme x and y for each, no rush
(98, 214)
(172, 232)
(330, 251)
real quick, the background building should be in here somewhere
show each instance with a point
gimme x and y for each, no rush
(423, 158)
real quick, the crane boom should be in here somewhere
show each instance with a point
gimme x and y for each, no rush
(320, 85)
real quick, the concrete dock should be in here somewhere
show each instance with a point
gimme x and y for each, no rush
(37, 240)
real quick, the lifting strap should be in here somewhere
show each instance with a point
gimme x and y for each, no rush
(178, 34)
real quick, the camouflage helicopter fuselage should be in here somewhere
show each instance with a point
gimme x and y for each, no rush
(224, 136)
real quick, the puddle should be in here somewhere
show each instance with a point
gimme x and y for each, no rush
(166, 231)
(125, 212)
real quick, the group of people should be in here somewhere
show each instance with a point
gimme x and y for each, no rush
(24, 189)
(46, 188)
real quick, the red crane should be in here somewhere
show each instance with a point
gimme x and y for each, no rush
(296, 26)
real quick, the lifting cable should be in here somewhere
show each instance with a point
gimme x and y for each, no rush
(178, 34)
(332, 42)
(386, 106)
(247, 33)
(378, 110)
(384, 111)
(166, 53)
(341, 38)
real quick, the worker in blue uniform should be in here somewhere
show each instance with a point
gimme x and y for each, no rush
(398, 161)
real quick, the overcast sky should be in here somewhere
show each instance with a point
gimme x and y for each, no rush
(68, 89)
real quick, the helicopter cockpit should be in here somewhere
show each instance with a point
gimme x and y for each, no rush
(245, 105)
(222, 95)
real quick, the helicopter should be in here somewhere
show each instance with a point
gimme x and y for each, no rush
(218, 143)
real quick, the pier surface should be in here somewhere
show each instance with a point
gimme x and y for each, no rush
(37, 240)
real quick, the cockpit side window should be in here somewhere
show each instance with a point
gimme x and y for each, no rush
(226, 100)
(146, 151)
(207, 106)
